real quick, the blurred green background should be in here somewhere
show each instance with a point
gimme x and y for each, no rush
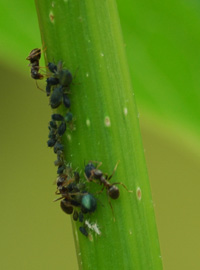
(162, 43)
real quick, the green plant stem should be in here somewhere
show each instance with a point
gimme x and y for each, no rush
(86, 35)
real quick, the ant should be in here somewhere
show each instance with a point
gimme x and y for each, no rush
(34, 58)
(92, 172)
(74, 196)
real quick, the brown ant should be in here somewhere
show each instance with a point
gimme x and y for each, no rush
(92, 173)
(34, 58)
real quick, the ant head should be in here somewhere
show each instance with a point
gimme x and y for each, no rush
(113, 192)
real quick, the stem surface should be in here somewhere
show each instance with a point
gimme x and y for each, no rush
(86, 36)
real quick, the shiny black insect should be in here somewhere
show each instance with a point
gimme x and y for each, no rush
(62, 128)
(51, 142)
(68, 117)
(51, 81)
(58, 147)
(66, 101)
(52, 67)
(83, 231)
(56, 97)
(57, 117)
(65, 77)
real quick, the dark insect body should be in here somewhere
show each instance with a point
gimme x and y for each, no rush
(57, 117)
(34, 58)
(56, 97)
(92, 172)
(83, 231)
(62, 129)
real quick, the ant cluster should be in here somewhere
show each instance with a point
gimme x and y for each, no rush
(75, 199)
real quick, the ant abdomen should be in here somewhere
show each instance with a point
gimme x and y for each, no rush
(113, 192)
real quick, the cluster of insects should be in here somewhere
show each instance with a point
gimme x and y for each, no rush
(74, 195)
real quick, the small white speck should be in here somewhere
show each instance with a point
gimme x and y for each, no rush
(88, 122)
(125, 111)
(107, 121)
(102, 55)
(79, 254)
(96, 229)
(130, 232)
(53, 4)
(87, 74)
(87, 223)
(69, 137)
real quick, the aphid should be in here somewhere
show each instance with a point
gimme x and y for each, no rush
(66, 101)
(80, 217)
(52, 67)
(48, 90)
(51, 142)
(52, 125)
(51, 81)
(68, 117)
(65, 77)
(56, 97)
(61, 169)
(75, 215)
(58, 147)
(88, 203)
(83, 231)
(57, 117)
(62, 129)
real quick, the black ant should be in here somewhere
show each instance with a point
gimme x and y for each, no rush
(92, 173)
(34, 58)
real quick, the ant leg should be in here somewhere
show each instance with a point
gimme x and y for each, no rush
(89, 179)
(119, 183)
(98, 192)
(111, 207)
(39, 87)
(108, 178)
(58, 199)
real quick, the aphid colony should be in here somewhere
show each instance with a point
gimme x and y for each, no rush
(75, 198)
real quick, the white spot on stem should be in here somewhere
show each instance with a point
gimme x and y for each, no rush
(107, 121)
(88, 122)
(51, 16)
(69, 137)
(125, 111)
